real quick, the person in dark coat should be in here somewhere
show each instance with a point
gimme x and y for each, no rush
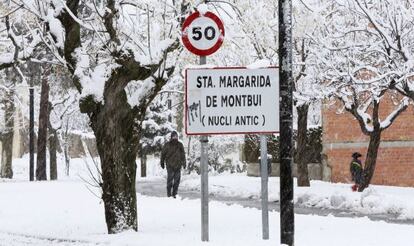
(356, 170)
(173, 157)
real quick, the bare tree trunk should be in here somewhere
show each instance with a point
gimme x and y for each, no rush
(42, 132)
(64, 141)
(372, 152)
(302, 151)
(53, 145)
(67, 159)
(117, 142)
(116, 125)
(7, 136)
(143, 157)
(371, 159)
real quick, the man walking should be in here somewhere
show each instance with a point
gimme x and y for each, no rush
(173, 156)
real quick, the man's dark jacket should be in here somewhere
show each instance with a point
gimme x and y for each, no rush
(173, 155)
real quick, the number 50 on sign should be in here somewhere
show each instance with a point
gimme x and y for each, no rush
(203, 34)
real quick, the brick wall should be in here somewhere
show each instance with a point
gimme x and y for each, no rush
(342, 136)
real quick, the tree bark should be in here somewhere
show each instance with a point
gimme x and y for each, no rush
(302, 151)
(53, 143)
(66, 153)
(7, 136)
(372, 152)
(42, 132)
(371, 159)
(143, 157)
(117, 141)
(115, 124)
(67, 159)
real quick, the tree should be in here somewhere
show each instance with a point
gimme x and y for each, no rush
(364, 59)
(7, 99)
(157, 124)
(391, 23)
(42, 135)
(253, 14)
(62, 110)
(121, 46)
(307, 87)
(16, 47)
(53, 145)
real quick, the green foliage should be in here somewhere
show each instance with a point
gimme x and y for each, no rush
(252, 147)
(313, 146)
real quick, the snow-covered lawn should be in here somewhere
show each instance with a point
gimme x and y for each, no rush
(68, 211)
(376, 199)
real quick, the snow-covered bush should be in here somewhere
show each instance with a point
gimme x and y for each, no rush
(222, 154)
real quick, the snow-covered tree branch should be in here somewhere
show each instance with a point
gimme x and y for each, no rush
(21, 38)
(111, 47)
(366, 61)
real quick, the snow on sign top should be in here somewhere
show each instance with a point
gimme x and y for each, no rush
(203, 34)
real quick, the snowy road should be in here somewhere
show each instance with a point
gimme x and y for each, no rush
(156, 187)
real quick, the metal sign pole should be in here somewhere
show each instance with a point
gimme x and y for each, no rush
(287, 214)
(264, 178)
(31, 133)
(204, 180)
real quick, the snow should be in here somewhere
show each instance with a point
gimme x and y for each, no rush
(56, 28)
(69, 212)
(6, 58)
(388, 121)
(263, 63)
(94, 84)
(68, 208)
(396, 201)
(65, 217)
(139, 90)
(195, 66)
(269, 156)
(202, 8)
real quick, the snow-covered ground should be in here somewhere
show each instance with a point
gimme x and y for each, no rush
(376, 199)
(69, 212)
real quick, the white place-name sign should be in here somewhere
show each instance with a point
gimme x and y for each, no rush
(232, 101)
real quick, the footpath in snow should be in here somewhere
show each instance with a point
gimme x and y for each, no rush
(392, 202)
(397, 202)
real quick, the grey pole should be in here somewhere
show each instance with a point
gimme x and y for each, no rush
(264, 175)
(204, 180)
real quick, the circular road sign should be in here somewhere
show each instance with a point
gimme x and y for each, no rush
(203, 34)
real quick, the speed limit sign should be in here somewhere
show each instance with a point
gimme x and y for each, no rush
(203, 34)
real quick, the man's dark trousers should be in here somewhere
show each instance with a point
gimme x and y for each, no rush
(173, 181)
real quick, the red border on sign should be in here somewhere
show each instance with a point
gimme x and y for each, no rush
(216, 133)
(187, 42)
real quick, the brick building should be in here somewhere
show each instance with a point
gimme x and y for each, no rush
(342, 136)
